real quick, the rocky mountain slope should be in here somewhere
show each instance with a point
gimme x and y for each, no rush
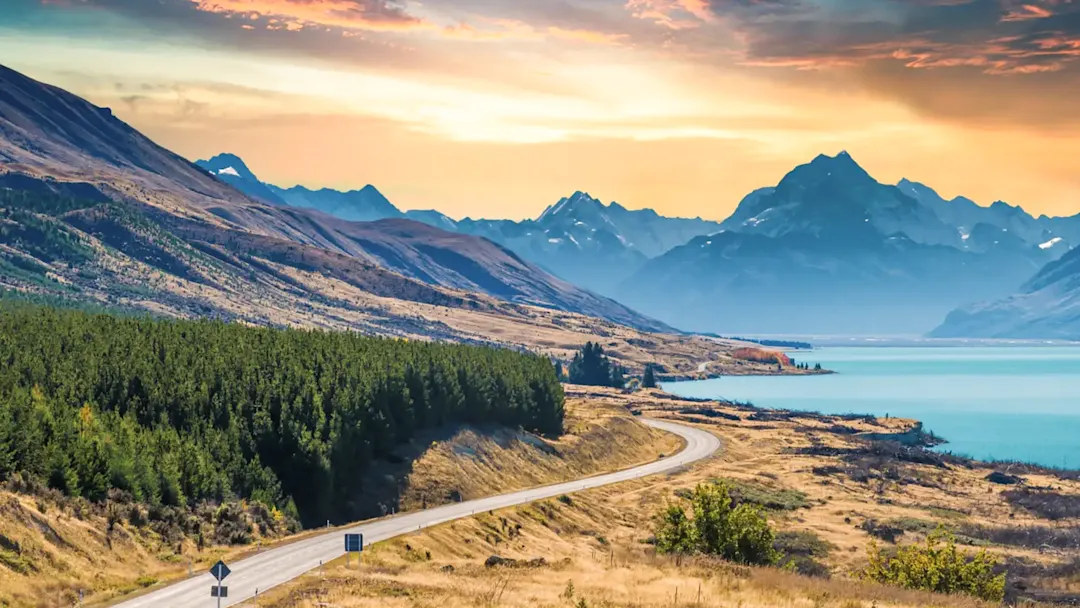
(1046, 307)
(52, 142)
(830, 250)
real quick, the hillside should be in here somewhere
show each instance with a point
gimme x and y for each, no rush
(54, 546)
(830, 485)
(1046, 307)
(52, 141)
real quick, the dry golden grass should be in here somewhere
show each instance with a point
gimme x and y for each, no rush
(596, 539)
(600, 437)
(49, 552)
(589, 581)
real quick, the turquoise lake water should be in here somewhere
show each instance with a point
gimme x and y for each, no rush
(1005, 403)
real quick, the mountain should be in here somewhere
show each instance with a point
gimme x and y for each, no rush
(834, 196)
(364, 205)
(967, 217)
(1046, 307)
(830, 250)
(579, 239)
(230, 169)
(189, 237)
(432, 218)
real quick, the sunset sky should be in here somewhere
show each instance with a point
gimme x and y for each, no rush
(497, 108)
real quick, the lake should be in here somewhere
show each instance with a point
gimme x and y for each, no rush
(1005, 403)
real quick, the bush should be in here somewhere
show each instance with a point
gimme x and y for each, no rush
(939, 567)
(1045, 504)
(740, 534)
(799, 550)
(782, 499)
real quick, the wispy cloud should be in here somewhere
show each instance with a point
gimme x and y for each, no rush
(375, 15)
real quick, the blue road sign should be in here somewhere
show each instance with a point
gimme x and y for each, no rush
(219, 591)
(354, 543)
(220, 570)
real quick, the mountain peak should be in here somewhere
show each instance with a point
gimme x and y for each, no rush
(578, 201)
(843, 159)
(227, 164)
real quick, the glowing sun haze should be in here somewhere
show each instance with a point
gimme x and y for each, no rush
(497, 108)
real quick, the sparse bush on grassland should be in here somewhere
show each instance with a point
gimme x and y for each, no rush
(1044, 503)
(736, 533)
(938, 566)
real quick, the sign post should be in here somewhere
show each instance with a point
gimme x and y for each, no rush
(354, 543)
(220, 571)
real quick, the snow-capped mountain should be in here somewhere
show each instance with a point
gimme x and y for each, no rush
(1046, 307)
(579, 238)
(230, 169)
(364, 205)
(831, 250)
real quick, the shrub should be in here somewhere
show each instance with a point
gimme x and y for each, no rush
(1045, 504)
(939, 567)
(740, 534)
(760, 355)
(675, 532)
(782, 499)
(799, 550)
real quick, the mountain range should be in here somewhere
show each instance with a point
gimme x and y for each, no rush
(829, 249)
(94, 208)
(578, 238)
(132, 224)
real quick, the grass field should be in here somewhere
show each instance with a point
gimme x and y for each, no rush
(52, 547)
(828, 492)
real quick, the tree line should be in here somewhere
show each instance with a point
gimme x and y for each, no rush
(176, 412)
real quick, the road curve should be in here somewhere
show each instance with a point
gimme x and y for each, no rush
(273, 567)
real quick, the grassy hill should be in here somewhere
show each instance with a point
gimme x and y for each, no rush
(830, 486)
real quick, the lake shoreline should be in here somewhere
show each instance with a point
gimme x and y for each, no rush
(1007, 404)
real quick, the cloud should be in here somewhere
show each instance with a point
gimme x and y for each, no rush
(988, 61)
(374, 15)
(673, 14)
(996, 36)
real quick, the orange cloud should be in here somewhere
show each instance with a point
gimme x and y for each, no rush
(493, 29)
(374, 15)
(674, 14)
(1025, 12)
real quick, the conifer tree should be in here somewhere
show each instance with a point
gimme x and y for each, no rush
(649, 379)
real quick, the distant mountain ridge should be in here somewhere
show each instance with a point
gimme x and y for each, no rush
(830, 250)
(828, 236)
(579, 238)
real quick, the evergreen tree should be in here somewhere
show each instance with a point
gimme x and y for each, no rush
(177, 412)
(591, 367)
(649, 379)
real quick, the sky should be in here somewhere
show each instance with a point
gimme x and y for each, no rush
(498, 108)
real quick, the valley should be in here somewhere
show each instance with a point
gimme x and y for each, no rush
(202, 365)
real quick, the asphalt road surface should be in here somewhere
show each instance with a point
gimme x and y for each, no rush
(272, 567)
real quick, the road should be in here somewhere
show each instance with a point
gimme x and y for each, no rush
(273, 567)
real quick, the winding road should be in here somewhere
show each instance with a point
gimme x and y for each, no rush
(273, 567)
